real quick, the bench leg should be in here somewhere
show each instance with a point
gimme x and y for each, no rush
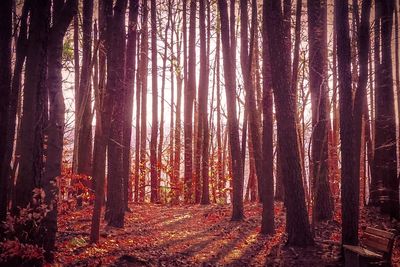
(351, 259)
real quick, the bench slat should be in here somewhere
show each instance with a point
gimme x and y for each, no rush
(379, 232)
(363, 251)
(376, 243)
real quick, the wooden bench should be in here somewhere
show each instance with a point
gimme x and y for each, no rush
(375, 249)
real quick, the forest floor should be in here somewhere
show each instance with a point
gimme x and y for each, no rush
(163, 235)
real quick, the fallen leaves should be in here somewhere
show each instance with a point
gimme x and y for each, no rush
(161, 235)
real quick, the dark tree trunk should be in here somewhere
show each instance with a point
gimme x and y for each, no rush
(267, 223)
(220, 166)
(115, 42)
(137, 132)
(143, 122)
(203, 116)
(102, 131)
(297, 226)
(178, 122)
(5, 92)
(76, 85)
(386, 188)
(62, 17)
(129, 93)
(350, 184)
(84, 112)
(360, 94)
(171, 126)
(31, 136)
(21, 51)
(190, 89)
(154, 196)
(318, 60)
(246, 54)
(233, 125)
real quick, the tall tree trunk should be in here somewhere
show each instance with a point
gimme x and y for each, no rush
(31, 137)
(143, 122)
(385, 191)
(137, 132)
(298, 227)
(350, 184)
(164, 70)
(154, 124)
(176, 189)
(318, 60)
(233, 125)
(190, 90)
(203, 95)
(116, 35)
(102, 130)
(267, 223)
(360, 94)
(220, 166)
(246, 54)
(76, 84)
(377, 62)
(21, 48)
(62, 17)
(5, 92)
(129, 93)
(84, 113)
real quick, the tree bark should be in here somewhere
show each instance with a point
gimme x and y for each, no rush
(386, 187)
(350, 185)
(318, 60)
(188, 108)
(143, 122)
(233, 125)
(267, 223)
(62, 17)
(5, 92)
(298, 226)
(204, 134)
(129, 93)
(154, 196)
(31, 136)
(115, 208)
(84, 113)
(102, 131)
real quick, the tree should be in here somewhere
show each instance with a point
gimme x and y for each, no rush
(143, 79)
(190, 89)
(385, 187)
(267, 224)
(31, 136)
(221, 167)
(129, 92)
(5, 91)
(102, 131)
(180, 76)
(233, 125)
(318, 60)
(350, 184)
(63, 12)
(360, 94)
(297, 224)
(137, 132)
(203, 131)
(83, 122)
(154, 196)
(115, 42)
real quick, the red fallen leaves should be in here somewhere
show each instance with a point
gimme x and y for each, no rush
(191, 235)
(14, 253)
